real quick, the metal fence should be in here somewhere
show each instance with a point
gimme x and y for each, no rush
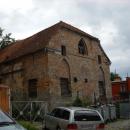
(28, 110)
(108, 112)
(124, 110)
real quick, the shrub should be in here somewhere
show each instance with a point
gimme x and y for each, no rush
(81, 103)
(77, 102)
(28, 125)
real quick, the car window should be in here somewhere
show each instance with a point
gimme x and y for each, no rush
(5, 118)
(53, 112)
(56, 113)
(60, 113)
(86, 116)
(65, 115)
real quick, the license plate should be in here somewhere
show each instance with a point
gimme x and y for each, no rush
(88, 126)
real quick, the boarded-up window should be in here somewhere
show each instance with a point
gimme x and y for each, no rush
(64, 83)
(32, 88)
(102, 88)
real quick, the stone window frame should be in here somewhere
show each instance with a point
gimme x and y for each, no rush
(82, 47)
(63, 50)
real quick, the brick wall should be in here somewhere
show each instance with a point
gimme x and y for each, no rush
(49, 67)
(81, 66)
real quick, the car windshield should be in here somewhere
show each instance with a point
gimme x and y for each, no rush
(86, 116)
(4, 119)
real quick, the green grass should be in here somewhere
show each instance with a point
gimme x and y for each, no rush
(28, 125)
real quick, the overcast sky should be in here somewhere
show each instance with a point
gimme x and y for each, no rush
(109, 20)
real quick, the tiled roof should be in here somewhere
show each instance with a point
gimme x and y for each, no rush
(35, 42)
(28, 45)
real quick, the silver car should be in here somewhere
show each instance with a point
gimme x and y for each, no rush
(74, 118)
(7, 123)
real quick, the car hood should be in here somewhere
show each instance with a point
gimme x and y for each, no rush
(12, 127)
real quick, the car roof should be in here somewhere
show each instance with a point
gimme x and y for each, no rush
(75, 108)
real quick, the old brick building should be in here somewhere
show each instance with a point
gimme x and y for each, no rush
(120, 89)
(56, 64)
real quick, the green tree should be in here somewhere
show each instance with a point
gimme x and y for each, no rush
(113, 76)
(6, 39)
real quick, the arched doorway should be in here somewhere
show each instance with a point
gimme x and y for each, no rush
(64, 74)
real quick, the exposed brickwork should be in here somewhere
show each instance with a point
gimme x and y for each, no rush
(81, 66)
(48, 66)
(121, 89)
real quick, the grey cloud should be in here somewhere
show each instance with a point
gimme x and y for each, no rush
(107, 20)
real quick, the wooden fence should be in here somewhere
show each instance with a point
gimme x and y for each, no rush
(4, 98)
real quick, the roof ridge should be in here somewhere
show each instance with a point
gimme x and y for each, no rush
(36, 41)
(73, 28)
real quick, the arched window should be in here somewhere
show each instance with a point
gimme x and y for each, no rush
(82, 47)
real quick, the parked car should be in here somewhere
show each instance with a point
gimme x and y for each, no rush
(74, 118)
(7, 123)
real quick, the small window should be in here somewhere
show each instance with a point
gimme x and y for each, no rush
(63, 50)
(86, 80)
(32, 88)
(65, 90)
(123, 89)
(99, 59)
(0, 80)
(75, 79)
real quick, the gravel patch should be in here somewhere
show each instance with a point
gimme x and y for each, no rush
(119, 125)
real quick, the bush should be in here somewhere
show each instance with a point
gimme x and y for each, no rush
(81, 103)
(77, 102)
(28, 125)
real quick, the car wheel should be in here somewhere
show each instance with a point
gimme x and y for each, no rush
(45, 128)
(58, 128)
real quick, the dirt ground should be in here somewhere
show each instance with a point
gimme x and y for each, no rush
(119, 125)
(116, 125)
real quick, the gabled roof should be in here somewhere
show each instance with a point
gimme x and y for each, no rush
(36, 42)
(28, 45)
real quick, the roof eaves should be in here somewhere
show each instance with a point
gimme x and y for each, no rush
(104, 53)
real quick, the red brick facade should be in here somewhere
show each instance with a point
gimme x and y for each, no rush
(121, 89)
